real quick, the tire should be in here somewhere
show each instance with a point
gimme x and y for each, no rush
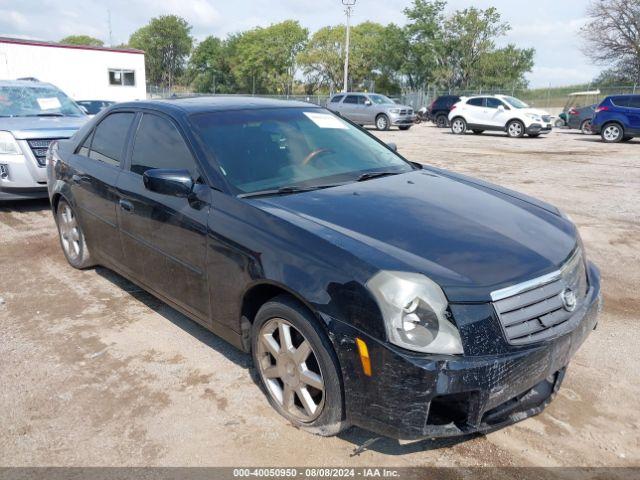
(72, 240)
(382, 122)
(279, 373)
(442, 121)
(458, 126)
(404, 128)
(585, 127)
(515, 129)
(478, 132)
(612, 133)
(559, 123)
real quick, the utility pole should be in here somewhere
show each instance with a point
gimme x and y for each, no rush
(349, 10)
(110, 32)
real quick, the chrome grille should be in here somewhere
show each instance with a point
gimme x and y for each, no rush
(39, 148)
(538, 309)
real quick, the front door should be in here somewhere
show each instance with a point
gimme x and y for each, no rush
(164, 237)
(633, 112)
(476, 111)
(96, 167)
(497, 113)
(352, 108)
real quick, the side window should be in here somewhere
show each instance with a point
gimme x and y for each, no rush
(337, 98)
(109, 138)
(476, 102)
(84, 148)
(351, 99)
(620, 101)
(362, 99)
(159, 144)
(634, 102)
(494, 103)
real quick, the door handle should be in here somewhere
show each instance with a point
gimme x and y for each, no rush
(126, 205)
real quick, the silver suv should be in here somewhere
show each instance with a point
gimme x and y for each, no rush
(32, 115)
(372, 109)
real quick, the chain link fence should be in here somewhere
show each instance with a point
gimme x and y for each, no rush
(552, 99)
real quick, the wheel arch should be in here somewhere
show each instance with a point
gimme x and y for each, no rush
(514, 119)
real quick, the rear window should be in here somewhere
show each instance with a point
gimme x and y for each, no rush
(447, 101)
(621, 101)
(109, 138)
(476, 102)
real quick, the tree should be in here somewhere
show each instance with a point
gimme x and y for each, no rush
(167, 43)
(265, 59)
(84, 40)
(612, 37)
(209, 68)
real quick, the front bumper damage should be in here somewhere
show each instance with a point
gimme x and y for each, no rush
(411, 396)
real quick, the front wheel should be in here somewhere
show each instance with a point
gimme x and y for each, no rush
(515, 129)
(382, 122)
(297, 367)
(612, 133)
(71, 236)
(458, 126)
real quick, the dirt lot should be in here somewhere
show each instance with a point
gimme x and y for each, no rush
(93, 371)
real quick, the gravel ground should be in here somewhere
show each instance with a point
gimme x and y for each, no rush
(94, 371)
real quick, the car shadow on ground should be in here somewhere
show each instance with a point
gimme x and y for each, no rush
(191, 327)
(494, 134)
(35, 205)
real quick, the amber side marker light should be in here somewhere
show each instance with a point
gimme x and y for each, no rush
(364, 356)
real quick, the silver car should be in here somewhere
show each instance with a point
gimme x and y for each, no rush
(32, 115)
(372, 109)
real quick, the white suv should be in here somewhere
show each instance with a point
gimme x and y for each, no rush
(499, 113)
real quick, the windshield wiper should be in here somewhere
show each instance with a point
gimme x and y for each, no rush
(284, 190)
(370, 175)
(50, 114)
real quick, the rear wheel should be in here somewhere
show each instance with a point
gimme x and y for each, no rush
(442, 121)
(382, 122)
(297, 367)
(585, 127)
(458, 126)
(72, 239)
(612, 133)
(515, 129)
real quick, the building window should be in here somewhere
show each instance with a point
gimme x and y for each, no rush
(122, 77)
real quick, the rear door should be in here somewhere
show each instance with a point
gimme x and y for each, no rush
(164, 237)
(475, 111)
(335, 103)
(633, 112)
(96, 167)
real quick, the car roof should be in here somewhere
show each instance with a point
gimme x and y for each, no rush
(193, 105)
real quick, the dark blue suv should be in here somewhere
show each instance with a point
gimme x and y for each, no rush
(617, 118)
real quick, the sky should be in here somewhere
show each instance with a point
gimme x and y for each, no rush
(549, 26)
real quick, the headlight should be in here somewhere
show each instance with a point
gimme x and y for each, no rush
(535, 117)
(394, 110)
(8, 144)
(415, 312)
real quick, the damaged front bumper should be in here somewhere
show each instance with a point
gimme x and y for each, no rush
(411, 396)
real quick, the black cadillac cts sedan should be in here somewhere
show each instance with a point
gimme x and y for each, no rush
(370, 290)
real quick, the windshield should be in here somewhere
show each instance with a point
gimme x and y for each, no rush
(380, 99)
(304, 147)
(515, 103)
(27, 101)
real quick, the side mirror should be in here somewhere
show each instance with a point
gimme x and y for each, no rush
(392, 146)
(501, 108)
(367, 103)
(177, 183)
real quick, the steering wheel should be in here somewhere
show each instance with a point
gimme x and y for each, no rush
(315, 154)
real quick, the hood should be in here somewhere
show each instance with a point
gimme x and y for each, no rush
(469, 238)
(42, 127)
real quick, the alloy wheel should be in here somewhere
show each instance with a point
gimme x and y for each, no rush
(290, 370)
(382, 123)
(586, 127)
(515, 129)
(69, 232)
(458, 126)
(611, 133)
